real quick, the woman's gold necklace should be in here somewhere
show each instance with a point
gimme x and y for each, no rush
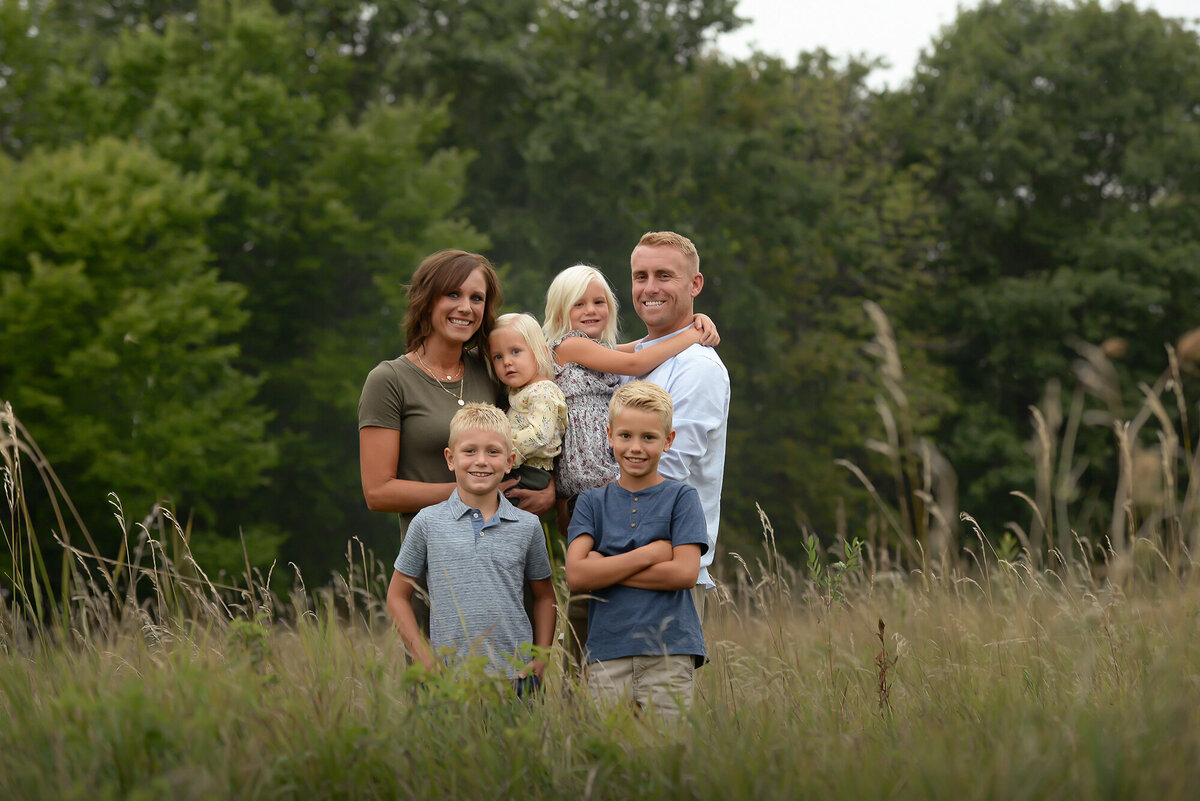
(437, 381)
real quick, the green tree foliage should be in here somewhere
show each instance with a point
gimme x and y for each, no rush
(42, 85)
(1034, 185)
(116, 346)
(1065, 152)
(322, 210)
(788, 285)
(557, 100)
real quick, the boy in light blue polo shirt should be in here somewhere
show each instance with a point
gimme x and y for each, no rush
(635, 545)
(476, 551)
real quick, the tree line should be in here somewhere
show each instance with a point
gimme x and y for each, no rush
(209, 210)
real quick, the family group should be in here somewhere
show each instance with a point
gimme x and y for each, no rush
(626, 442)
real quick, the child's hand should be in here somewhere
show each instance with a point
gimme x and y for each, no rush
(428, 663)
(708, 330)
(661, 550)
(423, 666)
(536, 668)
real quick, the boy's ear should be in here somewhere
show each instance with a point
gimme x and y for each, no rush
(670, 438)
(608, 434)
(512, 460)
(449, 461)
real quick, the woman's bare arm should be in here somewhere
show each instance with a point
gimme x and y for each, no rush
(378, 455)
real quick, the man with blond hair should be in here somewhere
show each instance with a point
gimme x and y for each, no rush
(666, 281)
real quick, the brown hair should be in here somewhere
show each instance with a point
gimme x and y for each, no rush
(439, 273)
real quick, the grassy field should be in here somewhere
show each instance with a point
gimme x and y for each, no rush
(1007, 684)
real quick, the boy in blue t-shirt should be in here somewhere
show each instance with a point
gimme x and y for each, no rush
(635, 545)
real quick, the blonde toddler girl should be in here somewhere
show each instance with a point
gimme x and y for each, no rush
(537, 410)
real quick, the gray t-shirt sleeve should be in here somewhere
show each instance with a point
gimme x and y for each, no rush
(537, 558)
(413, 553)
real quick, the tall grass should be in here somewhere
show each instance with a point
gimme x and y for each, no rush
(1012, 684)
(1032, 671)
(1152, 524)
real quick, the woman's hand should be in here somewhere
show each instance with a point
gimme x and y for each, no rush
(536, 501)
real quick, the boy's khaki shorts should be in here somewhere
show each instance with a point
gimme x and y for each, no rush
(660, 683)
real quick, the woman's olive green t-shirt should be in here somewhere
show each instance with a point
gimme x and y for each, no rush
(399, 395)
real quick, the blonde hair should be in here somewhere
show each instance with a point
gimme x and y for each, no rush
(480, 417)
(645, 396)
(527, 326)
(670, 239)
(566, 290)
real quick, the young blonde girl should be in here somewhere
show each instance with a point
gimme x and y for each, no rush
(537, 410)
(581, 327)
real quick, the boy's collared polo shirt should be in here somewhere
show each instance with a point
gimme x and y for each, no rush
(475, 571)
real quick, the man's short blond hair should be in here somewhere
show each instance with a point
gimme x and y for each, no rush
(645, 396)
(670, 239)
(481, 417)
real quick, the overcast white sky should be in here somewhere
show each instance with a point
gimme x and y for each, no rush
(894, 29)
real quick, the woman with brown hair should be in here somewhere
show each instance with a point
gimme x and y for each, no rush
(406, 403)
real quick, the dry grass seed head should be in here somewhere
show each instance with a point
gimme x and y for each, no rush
(1188, 347)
